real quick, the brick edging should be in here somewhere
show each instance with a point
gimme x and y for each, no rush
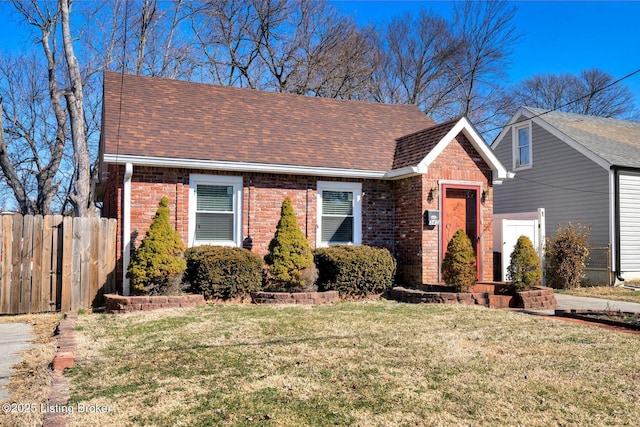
(583, 314)
(122, 304)
(294, 297)
(65, 358)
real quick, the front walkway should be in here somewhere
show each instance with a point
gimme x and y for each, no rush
(572, 302)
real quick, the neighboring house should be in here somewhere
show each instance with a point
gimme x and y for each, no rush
(578, 169)
(357, 172)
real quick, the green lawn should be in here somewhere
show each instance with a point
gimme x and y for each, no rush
(352, 363)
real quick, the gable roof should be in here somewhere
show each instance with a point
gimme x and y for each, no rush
(413, 148)
(429, 143)
(608, 142)
(158, 121)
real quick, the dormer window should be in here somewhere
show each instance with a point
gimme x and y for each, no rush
(522, 157)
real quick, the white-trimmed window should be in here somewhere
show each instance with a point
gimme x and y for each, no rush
(339, 213)
(215, 210)
(522, 155)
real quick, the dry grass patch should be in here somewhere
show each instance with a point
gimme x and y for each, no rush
(607, 292)
(352, 363)
(31, 379)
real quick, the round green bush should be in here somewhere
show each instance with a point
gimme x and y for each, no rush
(290, 257)
(354, 270)
(524, 270)
(156, 267)
(459, 263)
(223, 272)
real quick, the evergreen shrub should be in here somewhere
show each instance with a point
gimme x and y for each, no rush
(524, 270)
(156, 267)
(354, 270)
(565, 256)
(459, 263)
(223, 272)
(290, 258)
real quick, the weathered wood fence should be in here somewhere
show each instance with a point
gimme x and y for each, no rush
(53, 263)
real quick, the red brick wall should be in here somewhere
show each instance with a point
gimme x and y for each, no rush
(262, 198)
(409, 229)
(392, 211)
(458, 162)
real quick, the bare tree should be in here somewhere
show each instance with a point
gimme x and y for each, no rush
(486, 34)
(413, 70)
(31, 164)
(592, 92)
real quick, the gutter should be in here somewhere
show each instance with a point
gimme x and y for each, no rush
(616, 190)
(126, 227)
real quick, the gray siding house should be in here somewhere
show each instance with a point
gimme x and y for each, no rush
(579, 169)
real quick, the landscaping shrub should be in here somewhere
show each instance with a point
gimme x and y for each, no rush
(223, 272)
(354, 270)
(459, 263)
(565, 256)
(290, 259)
(524, 270)
(156, 267)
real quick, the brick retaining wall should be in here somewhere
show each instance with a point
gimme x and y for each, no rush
(122, 304)
(295, 297)
(537, 299)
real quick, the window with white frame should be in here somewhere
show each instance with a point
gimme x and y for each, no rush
(339, 213)
(215, 206)
(522, 147)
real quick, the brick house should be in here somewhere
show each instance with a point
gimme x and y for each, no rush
(357, 172)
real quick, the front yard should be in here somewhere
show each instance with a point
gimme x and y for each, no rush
(351, 363)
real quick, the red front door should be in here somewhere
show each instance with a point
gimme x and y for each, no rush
(461, 208)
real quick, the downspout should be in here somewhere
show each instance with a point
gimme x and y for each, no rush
(126, 227)
(616, 249)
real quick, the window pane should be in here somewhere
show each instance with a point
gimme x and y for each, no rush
(523, 137)
(524, 156)
(337, 229)
(214, 226)
(215, 198)
(337, 203)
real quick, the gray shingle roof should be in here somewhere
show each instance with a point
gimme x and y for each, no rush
(615, 141)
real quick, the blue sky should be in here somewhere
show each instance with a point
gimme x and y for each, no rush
(559, 37)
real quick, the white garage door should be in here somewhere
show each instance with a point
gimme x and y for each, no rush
(629, 222)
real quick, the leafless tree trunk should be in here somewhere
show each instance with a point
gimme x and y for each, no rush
(80, 194)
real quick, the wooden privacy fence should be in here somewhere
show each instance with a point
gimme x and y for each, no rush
(52, 263)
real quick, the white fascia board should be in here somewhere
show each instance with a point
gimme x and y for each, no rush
(404, 172)
(464, 126)
(242, 166)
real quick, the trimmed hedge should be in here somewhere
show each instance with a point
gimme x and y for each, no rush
(223, 272)
(354, 270)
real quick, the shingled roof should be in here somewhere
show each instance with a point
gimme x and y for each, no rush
(615, 141)
(413, 148)
(157, 118)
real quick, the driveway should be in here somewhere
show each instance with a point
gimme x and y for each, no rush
(14, 339)
(568, 302)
